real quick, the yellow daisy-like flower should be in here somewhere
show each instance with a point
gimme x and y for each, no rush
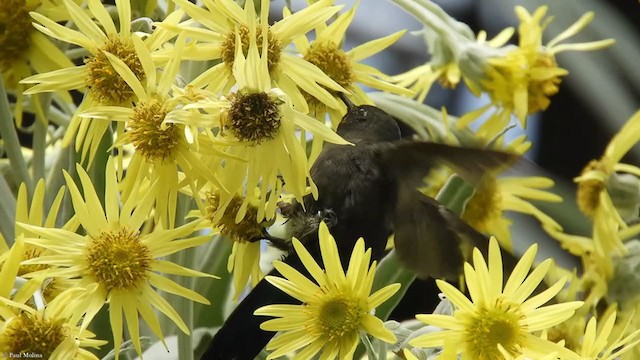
(259, 124)
(226, 25)
(593, 197)
(120, 264)
(495, 195)
(105, 85)
(497, 315)
(421, 78)
(25, 51)
(244, 261)
(336, 308)
(522, 81)
(344, 67)
(33, 214)
(597, 343)
(50, 331)
(161, 149)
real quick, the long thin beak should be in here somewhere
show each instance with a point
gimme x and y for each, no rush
(346, 101)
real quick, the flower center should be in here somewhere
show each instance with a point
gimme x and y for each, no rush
(484, 205)
(333, 61)
(541, 90)
(52, 287)
(32, 333)
(103, 81)
(450, 76)
(153, 139)
(588, 194)
(274, 47)
(15, 31)
(253, 117)
(31, 252)
(248, 228)
(499, 324)
(339, 315)
(118, 259)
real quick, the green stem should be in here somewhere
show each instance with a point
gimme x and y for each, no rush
(184, 306)
(214, 262)
(185, 309)
(371, 352)
(40, 133)
(64, 160)
(97, 171)
(11, 143)
(7, 212)
(39, 149)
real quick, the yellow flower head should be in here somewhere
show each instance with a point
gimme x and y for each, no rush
(24, 50)
(226, 26)
(33, 214)
(495, 195)
(344, 67)
(336, 308)
(259, 125)
(593, 197)
(598, 343)
(51, 331)
(245, 233)
(421, 78)
(162, 150)
(522, 81)
(120, 264)
(105, 85)
(497, 315)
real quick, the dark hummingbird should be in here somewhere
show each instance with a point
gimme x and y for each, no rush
(368, 190)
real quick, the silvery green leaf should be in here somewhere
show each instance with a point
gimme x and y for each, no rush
(624, 190)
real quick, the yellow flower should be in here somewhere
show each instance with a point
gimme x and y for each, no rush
(336, 308)
(344, 67)
(162, 151)
(259, 124)
(226, 25)
(594, 199)
(495, 195)
(497, 315)
(421, 78)
(105, 85)
(244, 260)
(597, 343)
(114, 259)
(522, 81)
(49, 331)
(33, 213)
(24, 50)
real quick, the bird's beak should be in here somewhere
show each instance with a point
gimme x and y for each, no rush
(346, 101)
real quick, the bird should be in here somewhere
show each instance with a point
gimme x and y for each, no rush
(368, 190)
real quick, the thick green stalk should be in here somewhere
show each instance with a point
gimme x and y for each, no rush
(11, 143)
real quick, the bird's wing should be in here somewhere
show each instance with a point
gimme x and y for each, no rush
(429, 238)
(412, 160)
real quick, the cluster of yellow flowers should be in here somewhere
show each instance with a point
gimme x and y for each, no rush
(190, 121)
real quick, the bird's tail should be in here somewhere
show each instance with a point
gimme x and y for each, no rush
(240, 337)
